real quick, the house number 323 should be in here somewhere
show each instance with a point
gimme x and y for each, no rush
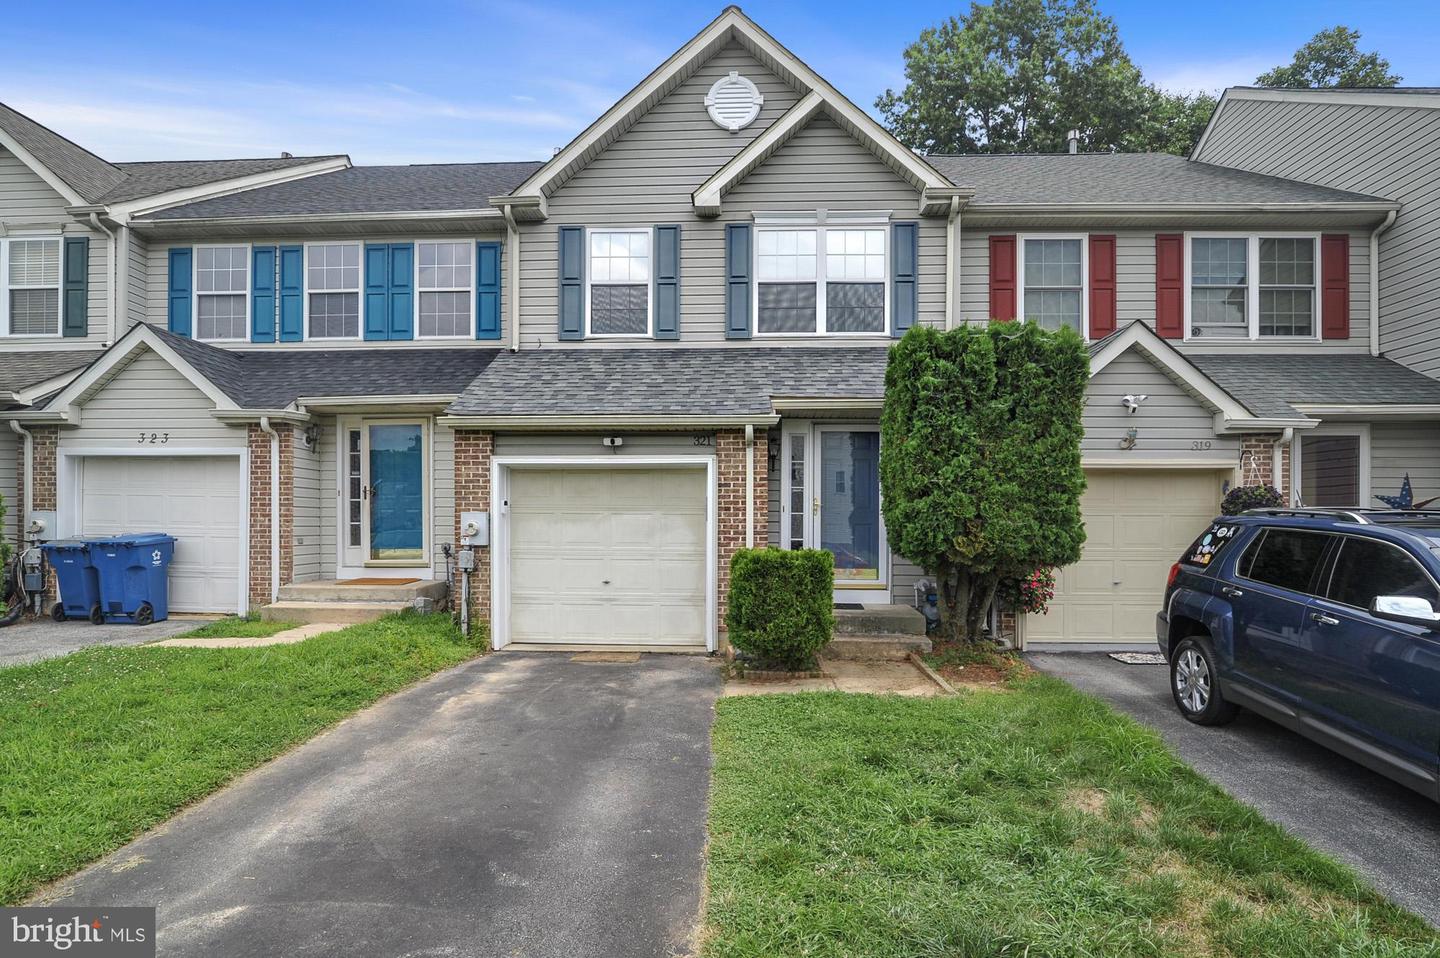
(154, 438)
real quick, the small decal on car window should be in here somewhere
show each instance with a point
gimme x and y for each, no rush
(1206, 549)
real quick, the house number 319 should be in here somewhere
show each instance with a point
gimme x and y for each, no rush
(154, 438)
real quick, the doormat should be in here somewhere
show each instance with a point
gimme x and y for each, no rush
(376, 581)
(849, 606)
(619, 658)
(1138, 658)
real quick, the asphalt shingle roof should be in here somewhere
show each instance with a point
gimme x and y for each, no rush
(19, 370)
(1268, 384)
(161, 176)
(670, 381)
(1061, 178)
(273, 379)
(84, 172)
(368, 189)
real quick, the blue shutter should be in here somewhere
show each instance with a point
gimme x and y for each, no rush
(667, 282)
(402, 291)
(377, 291)
(262, 294)
(737, 281)
(487, 290)
(904, 285)
(572, 282)
(181, 285)
(77, 286)
(292, 294)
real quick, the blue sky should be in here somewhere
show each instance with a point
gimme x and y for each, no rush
(454, 81)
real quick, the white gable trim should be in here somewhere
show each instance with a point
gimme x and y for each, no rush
(707, 197)
(140, 337)
(1168, 360)
(733, 24)
(41, 170)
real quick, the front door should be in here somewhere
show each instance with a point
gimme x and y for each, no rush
(385, 469)
(830, 499)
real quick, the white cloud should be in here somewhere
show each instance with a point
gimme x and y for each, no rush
(1210, 76)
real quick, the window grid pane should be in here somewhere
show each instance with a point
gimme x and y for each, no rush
(222, 269)
(334, 267)
(34, 263)
(1287, 287)
(787, 308)
(334, 315)
(445, 266)
(445, 313)
(854, 255)
(1054, 284)
(34, 312)
(221, 317)
(1219, 278)
(855, 307)
(786, 255)
(619, 257)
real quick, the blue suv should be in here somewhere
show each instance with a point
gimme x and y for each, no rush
(1324, 620)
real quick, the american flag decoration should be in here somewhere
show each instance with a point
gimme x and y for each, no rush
(1406, 498)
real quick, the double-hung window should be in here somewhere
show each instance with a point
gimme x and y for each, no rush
(222, 292)
(1253, 287)
(32, 286)
(1053, 288)
(825, 279)
(332, 276)
(446, 287)
(619, 280)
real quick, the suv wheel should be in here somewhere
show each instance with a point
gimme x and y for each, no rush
(1194, 685)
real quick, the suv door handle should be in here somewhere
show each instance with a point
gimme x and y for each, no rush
(1232, 592)
(1324, 619)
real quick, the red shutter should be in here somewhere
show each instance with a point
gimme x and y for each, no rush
(1102, 286)
(1335, 286)
(1170, 285)
(1002, 277)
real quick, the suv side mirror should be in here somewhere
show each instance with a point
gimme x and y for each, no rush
(1409, 609)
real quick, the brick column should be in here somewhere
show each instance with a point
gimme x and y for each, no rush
(258, 442)
(1257, 462)
(730, 505)
(45, 497)
(473, 451)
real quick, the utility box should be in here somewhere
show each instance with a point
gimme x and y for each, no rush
(474, 528)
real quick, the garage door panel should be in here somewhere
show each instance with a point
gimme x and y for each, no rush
(195, 499)
(607, 556)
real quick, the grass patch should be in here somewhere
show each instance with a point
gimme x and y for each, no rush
(99, 746)
(238, 627)
(1030, 821)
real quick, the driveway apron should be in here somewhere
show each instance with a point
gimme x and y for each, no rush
(521, 804)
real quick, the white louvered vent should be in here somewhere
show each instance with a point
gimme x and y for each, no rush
(733, 102)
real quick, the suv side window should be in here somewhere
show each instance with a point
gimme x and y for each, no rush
(1366, 568)
(1286, 558)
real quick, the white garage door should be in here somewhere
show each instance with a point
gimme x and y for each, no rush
(1136, 525)
(607, 556)
(194, 499)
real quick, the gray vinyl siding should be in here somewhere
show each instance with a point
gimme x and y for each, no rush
(1170, 422)
(29, 205)
(442, 485)
(1135, 286)
(1389, 151)
(137, 295)
(310, 491)
(149, 396)
(646, 177)
(1397, 449)
(9, 463)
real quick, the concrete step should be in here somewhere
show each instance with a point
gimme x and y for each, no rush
(875, 647)
(328, 590)
(880, 620)
(302, 612)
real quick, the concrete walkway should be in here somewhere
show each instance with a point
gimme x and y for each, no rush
(844, 675)
(520, 804)
(298, 634)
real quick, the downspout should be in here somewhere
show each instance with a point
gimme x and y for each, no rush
(111, 294)
(749, 486)
(274, 507)
(1375, 281)
(1277, 460)
(29, 455)
(952, 272)
(512, 244)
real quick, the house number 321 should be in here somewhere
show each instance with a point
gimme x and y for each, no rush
(154, 438)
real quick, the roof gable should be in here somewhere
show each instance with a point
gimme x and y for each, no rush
(71, 170)
(1137, 337)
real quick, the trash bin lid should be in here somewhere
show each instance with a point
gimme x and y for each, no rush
(62, 545)
(133, 539)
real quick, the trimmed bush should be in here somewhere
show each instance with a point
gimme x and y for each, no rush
(780, 610)
(1243, 498)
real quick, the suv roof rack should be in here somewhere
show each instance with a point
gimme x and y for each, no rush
(1362, 516)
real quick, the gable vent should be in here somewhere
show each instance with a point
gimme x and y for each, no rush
(733, 102)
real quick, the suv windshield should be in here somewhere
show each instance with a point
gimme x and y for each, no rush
(1205, 551)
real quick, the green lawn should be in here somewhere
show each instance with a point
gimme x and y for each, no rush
(237, 627)
(98, 746)
(1029, 821)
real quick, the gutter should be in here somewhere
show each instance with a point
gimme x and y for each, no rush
(29, 455)
(1375, 282)
(600, 423)
(274, 507)
(1172, 209)
(310, 218)
(262, 416)
(952, 272)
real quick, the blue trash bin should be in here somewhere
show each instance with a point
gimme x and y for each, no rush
(79, 584)
(133, 572)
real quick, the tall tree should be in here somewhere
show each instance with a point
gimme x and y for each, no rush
(1015, 76)
(1332, 58)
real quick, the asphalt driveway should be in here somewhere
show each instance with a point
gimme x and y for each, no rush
(1386, 832)
(519, 805)
(32, 641)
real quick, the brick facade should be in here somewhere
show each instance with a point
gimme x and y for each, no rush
(473, 451)
(730, 505)
(258, 442)
(1257, 461)
(45, 498)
